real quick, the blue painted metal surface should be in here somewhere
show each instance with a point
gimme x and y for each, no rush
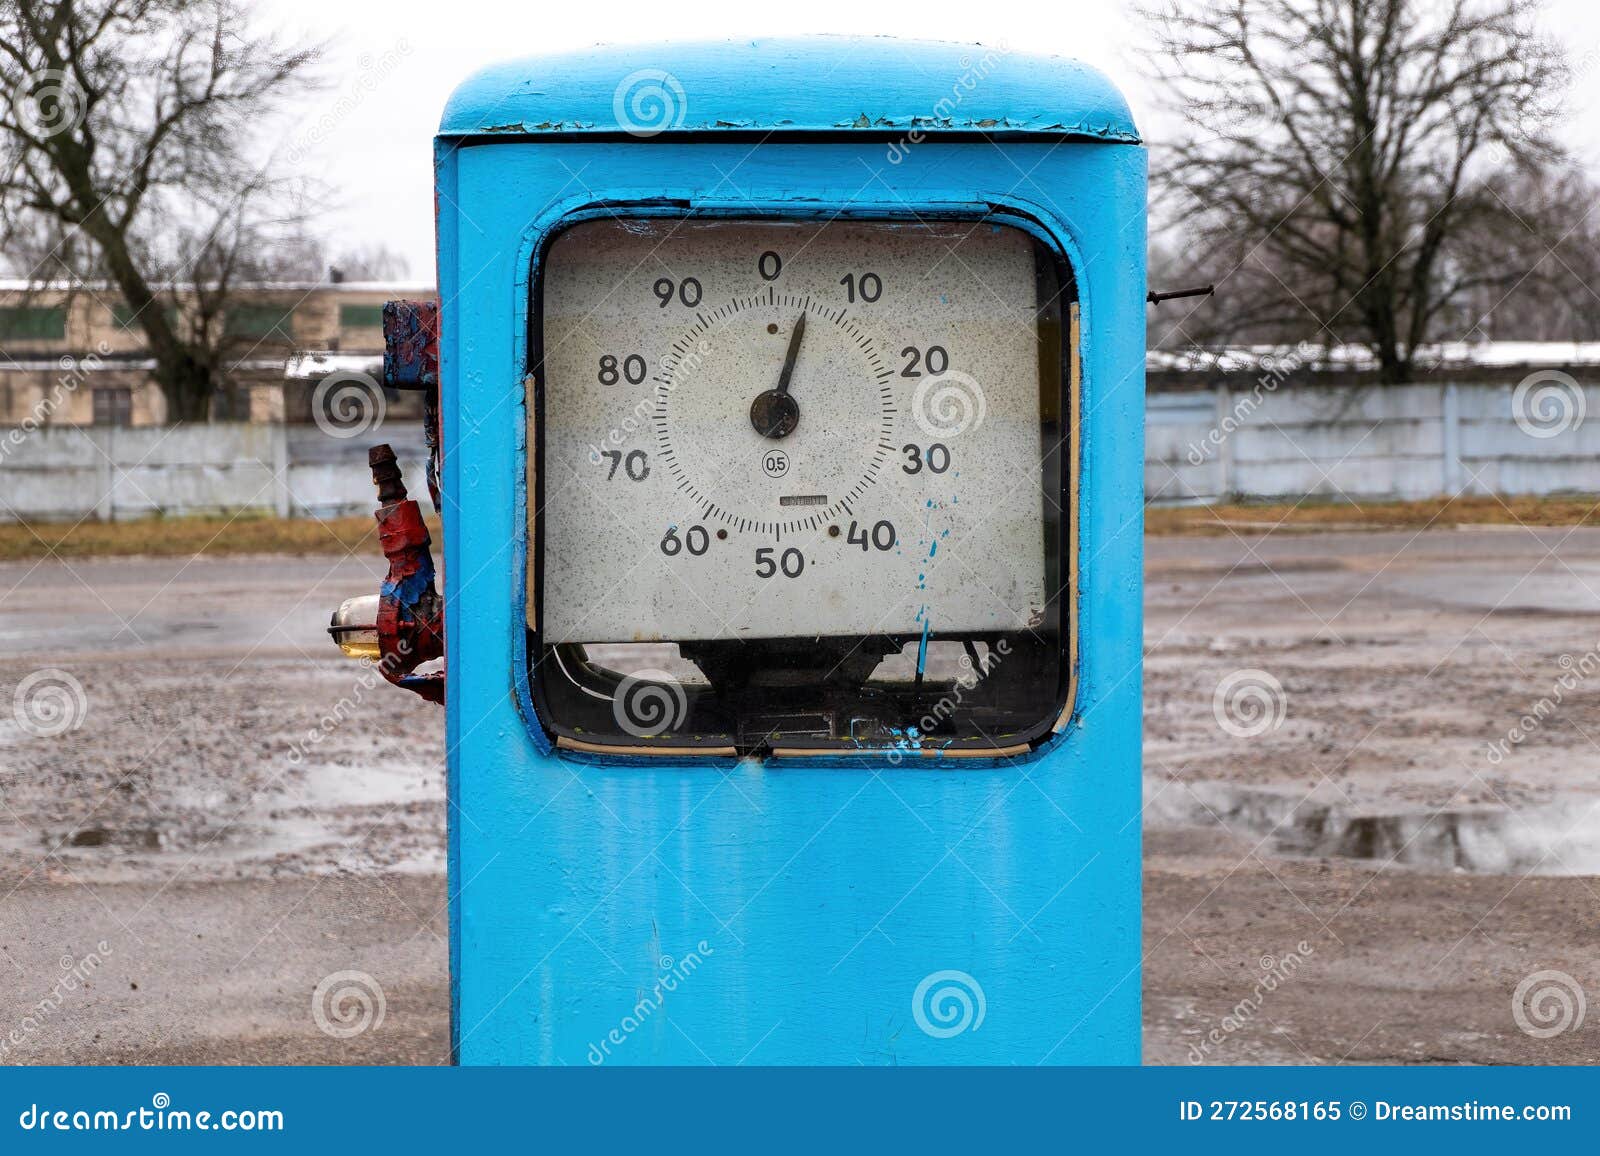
(790, 911)
(818, 84)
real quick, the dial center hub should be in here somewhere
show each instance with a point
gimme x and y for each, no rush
(716, 441)
(774, 414)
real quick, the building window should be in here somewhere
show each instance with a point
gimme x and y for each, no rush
(33, 322)
(361, 317)
(113, 407)
(125, 318)
(264, 322)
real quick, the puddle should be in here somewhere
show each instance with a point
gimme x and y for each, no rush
(141, 838)
(325, 818)
(181, 840)
(381, 785)
(301, 844)
(1557, 838)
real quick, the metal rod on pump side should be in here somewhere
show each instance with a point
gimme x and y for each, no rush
(1156, 297)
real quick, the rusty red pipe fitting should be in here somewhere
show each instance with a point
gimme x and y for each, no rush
(410, 610)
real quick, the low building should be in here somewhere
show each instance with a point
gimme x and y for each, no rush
(76, 355)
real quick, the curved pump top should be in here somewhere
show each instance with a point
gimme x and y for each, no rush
(822, 84)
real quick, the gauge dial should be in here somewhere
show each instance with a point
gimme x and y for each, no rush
(790, 397)
(783, 430)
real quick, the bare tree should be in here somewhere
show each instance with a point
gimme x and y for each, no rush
(374, 262)
(127, 127)
(1342, 161)
(1556, 241)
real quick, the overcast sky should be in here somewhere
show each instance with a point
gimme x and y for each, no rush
(376, 154)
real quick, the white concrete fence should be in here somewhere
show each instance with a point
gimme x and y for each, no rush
(67, 473)
(1366, 442)
(1373, 442)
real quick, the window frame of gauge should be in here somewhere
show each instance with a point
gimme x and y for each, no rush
(529, 563)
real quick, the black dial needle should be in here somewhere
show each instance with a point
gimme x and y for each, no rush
(787, 373)
(774, 413)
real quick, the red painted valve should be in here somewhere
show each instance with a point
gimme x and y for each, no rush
(407, 628)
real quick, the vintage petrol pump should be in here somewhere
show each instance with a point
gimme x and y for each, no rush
(791, 398)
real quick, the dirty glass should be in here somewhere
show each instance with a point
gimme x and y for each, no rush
(799, 487)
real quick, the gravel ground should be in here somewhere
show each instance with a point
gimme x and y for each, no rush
(1428, 871)
(1367, 879)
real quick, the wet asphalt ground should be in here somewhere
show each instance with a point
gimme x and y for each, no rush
(204, 870)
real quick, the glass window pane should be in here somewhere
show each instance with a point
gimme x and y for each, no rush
(799, 487)
(35, 322)
(361, 317)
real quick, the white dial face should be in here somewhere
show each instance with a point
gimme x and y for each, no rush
(843, 435)
(790, 430)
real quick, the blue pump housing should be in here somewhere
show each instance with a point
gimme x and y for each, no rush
(828, 911)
